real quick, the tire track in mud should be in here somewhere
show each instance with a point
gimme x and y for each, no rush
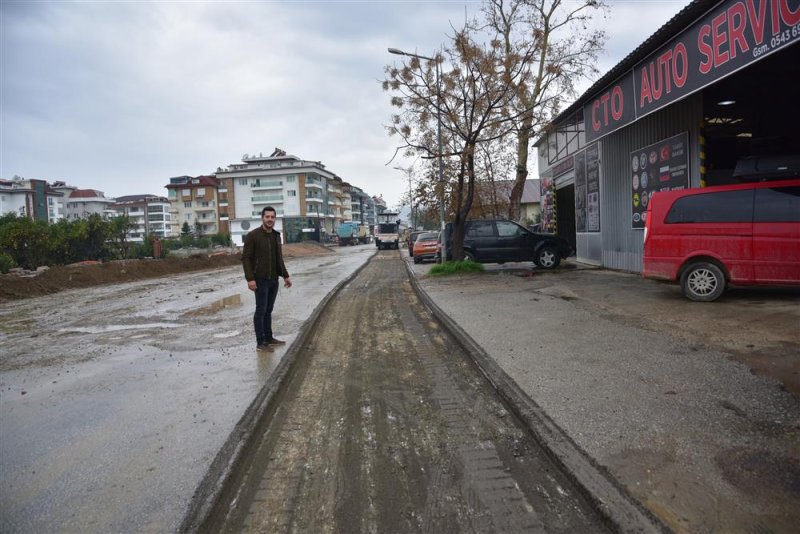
(385, 426)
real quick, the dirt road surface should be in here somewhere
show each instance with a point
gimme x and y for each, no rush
(115, 399)
(386, 426)
(693, 407)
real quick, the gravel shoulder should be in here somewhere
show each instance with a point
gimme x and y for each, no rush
(690, 407)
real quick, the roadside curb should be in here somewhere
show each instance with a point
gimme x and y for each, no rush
(243, 436)
(610, 498)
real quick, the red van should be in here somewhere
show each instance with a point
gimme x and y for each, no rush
(743, 234)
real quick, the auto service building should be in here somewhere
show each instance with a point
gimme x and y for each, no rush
(708, 99)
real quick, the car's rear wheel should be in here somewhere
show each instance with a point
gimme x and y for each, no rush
(417, 259)
(547, 258)
(703, 282)
(469, 256)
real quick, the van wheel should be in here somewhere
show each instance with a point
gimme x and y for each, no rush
(702, 282)
(547, 258)
(469, 256)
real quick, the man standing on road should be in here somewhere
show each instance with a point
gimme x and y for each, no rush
(263, 264)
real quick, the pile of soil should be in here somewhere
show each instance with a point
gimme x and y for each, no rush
(55, 279)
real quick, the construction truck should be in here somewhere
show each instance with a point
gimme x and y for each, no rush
(348, 233)
(363, 234)
(386, 235)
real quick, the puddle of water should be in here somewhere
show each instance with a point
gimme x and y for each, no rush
(117, 327)
(227, 334)
(231, 301)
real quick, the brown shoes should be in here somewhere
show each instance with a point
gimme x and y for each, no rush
(274, 341)
(264, 347)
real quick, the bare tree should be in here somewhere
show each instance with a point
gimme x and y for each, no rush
(553, 41)
(495, 164)
(475, 100)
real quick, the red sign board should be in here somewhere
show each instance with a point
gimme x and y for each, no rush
(732, 35)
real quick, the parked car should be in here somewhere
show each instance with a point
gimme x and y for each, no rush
(411, 238)
(501, 241)
(425, 246)
(707, 238)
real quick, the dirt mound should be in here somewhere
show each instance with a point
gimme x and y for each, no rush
(55, 279)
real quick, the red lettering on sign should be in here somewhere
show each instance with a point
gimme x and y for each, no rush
(617, 103)
(665, 65)
(719, 38)
(616, 97)
(595, 123)
(789, 17)
(736, 31)
(757, 20)
(604, 100)
(659, 75)
(704, 48)
(644, 93)
(680, 53)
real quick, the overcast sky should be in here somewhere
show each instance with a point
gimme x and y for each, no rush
(122, 95)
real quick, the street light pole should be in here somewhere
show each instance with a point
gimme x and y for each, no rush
(438, 138)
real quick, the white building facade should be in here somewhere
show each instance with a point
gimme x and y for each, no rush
(303, 193)
(83, 203)
(148, 214)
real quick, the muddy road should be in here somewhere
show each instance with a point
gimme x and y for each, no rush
(115, 399)
(384, 425)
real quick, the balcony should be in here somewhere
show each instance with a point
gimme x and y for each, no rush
(257, 214)
(312, 184)
(262, 186)
(205, 208)
(315, 200)
(267, 199)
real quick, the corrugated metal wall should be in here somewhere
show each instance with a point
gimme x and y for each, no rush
(622, 246)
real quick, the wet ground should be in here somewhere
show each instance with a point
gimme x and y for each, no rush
(692, 407)
(385, 425)
(114, 400)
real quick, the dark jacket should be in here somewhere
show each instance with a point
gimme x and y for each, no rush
(261, 250)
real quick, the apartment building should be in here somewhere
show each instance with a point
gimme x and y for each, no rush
(32, 198)
(380, 205)
(194, 200)
(15, 197)
(148, 214)
(308, 199)
(82, 203)
(362, 207)
(57, 204)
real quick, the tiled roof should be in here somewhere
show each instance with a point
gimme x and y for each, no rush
(140, 198)
(203, 181)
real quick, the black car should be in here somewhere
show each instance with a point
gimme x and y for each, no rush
(500, 241)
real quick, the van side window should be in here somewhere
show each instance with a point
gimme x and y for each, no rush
(727, 206)
(777, 204)
(480, 229)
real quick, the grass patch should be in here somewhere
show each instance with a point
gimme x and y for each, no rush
(455, 267)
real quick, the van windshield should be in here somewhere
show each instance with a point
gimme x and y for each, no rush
(387, 228)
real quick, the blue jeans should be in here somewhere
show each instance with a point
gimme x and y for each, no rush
(266, 292)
